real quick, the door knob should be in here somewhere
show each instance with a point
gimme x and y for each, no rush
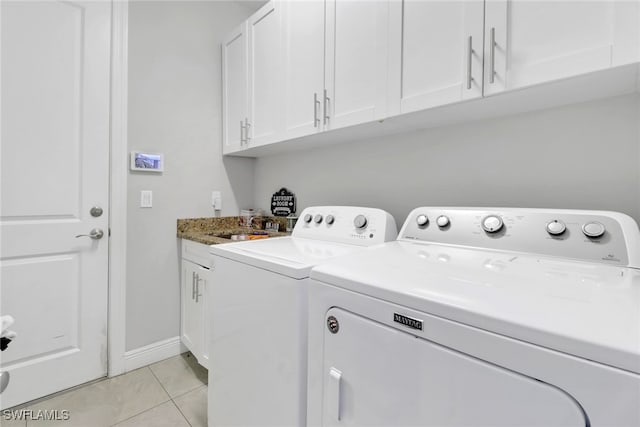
(95, 234)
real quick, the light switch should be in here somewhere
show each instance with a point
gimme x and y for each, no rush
(146, 198)
(216, 200)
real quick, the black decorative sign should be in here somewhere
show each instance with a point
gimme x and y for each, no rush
(283, 203)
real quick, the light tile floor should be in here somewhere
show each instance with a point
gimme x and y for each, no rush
(170, 393)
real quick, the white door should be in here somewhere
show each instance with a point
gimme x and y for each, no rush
(436, 50)
(377, 375)
(265, 75)
(304, 66)
(529, 42)
(191, 308)
(234, 90)
(55, 168)
(355, 62)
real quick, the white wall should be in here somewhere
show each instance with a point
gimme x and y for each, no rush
(583, 156)
(174, 108)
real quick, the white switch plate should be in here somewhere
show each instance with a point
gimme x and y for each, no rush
(146, 198)
(216, 200)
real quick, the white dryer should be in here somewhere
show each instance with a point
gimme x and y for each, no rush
(481, 317)
(258, 313)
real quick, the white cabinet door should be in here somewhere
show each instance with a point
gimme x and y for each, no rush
(265, 75)
(304, 67)
(191, 309)
(355, 62)
(234, 89)
(436, 52)
(529, 42)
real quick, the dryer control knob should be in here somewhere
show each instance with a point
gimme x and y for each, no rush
(360, 222)
(422, 220)
(556, 227)
(317, 219)
(593, 229)
(492, 224)
(308, 218)
(443, 221)
(330, 219)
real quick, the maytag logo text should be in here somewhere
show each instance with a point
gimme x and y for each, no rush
(407, 321)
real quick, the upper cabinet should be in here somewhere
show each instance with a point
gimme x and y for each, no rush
(265, 122)
(356, 56)
(302, 67)
(448, 51)
(235, 79)
(530, 42)
(252, 81)
(436, 53)
(335, 64)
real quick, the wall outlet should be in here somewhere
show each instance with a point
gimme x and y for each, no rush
(216, 200)
(146, 198)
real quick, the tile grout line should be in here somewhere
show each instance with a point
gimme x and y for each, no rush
(140, 413)
(183, 394)
(159, 382)
(189, 391)
(148, 409)
(189, 368)
(181, 413)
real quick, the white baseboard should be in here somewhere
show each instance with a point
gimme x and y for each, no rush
(153, 353)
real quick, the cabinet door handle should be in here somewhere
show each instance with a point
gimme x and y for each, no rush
(492, 59)
(193, 285)
(469, 60)
(198, 280)
(241, 132)
(316, 104)
(246, 130)
(326, 107)
(197, 286)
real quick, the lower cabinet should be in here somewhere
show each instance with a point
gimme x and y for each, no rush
(194, 282)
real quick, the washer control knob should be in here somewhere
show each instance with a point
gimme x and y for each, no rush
(443, 221)
(317, 219)
(593, 229)
(308, 218)
(422, 220)
(492, 224)
(556, 227)
(330, 219)
(360, 222)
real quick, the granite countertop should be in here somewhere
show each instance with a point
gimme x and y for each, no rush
(210, 231)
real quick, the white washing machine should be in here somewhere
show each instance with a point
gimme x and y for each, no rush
(481, 317)
(258, 313)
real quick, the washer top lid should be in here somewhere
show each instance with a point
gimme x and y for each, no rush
(585, 309)
(289, 256)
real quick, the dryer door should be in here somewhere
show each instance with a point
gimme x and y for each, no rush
(377, 375)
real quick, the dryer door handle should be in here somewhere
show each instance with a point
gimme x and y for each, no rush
(335, 378)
